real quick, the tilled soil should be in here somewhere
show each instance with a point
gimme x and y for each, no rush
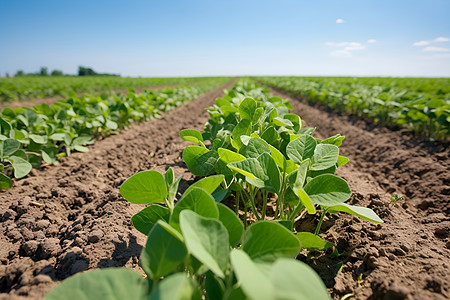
(68, 218)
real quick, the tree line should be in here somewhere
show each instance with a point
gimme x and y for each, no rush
(82, 71)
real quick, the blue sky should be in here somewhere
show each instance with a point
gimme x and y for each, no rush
(247, 37)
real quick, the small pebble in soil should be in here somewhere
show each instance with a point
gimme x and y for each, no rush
(30, 247)
(95, 236)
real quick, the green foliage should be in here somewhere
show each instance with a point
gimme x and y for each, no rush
(419, 104)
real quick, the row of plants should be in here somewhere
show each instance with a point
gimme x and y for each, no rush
(252, 152)
(30, 136)
(35, 87)
(419, 104)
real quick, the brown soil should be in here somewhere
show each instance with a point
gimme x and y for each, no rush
(51, 100)
(68, 218)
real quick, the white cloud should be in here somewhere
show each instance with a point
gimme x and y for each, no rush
(436, 49)
(441, 39)
(340, 21)
(371, 41)
(421, 43)
(344, 48)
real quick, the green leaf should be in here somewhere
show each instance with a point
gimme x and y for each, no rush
(362, 212)
(209, 184)
(10, 146)
(144, 187)
(261, 172)
(335, 140)
(342, 160)
(247, 108)
(146, 218)
(192, 135)
(270, 135)
(5, 181)
(110, 283)
(163, 252)
(207, 240)
(295, 280)
(213, 286)
(254, 283)
(256, 147)
(328, 190)
(325, 156)
(301, 148)
(176, 287)
(49, 155)
(229, 156)
(242, 128)
(312, 242)
(306, 201)
(266, 241)
(111, 125)
(38, 139)
(199, 160)
(232, 223)
(21, 166)
(195, 199)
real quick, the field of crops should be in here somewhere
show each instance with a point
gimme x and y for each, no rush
(226, 189)
(419, 104)
(36, 87)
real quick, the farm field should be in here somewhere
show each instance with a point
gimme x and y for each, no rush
(40, 87)
(67, 218)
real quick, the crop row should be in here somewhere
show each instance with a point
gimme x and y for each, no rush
(252, 152)
(29, 136)
(419, 104)
(33, 87)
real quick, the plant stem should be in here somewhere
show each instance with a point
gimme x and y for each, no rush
(264, 194)
(237, 202)
(320, 221)
(252, 202)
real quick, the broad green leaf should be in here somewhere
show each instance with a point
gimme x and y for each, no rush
(312, 242)
(294, 280)
(176, 287)
(197, 200)
(49, 155)
(144, 187)
(261, 172)
(163, 252)
(234, 294)
(242, 128)
(111, 125)
(213, 286)
(109, 283)
(270, 135)
(199, 160)
(266, 241)
(306, 201)
(282, 122)
(254, 283)
(325, 156)
(38, 139)
(207, 240)
(295, 119)
(146, 218)
(232, 223)
(192, 135)
(10, 146)
(335, 140)
(21, 166)
(220, 195)
(209, 184)
(328, 190)
(362, 212)
(297, 178)
(5, 181)
(247, 108)
(279, 159)
(229, 156)
(169, 177)
(256, 147)
(301, 148)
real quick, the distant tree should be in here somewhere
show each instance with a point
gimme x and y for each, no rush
(43, 71)
(57, 73)
(20, 73)
(83, 71)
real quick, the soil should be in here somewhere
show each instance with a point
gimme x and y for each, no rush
(51, 100)
(64, 219)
